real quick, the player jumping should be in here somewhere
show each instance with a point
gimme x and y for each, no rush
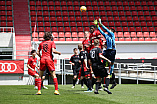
(97, 66)
(110, 51)
(47, 47)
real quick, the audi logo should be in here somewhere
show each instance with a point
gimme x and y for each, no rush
(8, 67)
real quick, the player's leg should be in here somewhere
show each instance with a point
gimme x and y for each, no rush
(43, 78)
(53, 74)
(113, 81)
(98, 83)
(39, 82)
(89, 82)
(74, 81)
(35, 75)
(79, 76)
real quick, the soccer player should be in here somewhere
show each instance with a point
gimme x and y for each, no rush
(32, 64)
(85, 71)
(47, 47)
(74, 60)
(97, 66)
(86, 42)
(95, 34)
(111, 49)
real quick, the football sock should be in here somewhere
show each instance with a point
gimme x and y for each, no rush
(39, 84)
(111, 70)
(42, 84)
(89, 84)
(55, 83)
(107, 82)
(97, 86)
(74, 81)
(93, 81)
(36, 82)
(85, 82)
(113, 79)
(79, 76)
(104, 80)
(82, 82)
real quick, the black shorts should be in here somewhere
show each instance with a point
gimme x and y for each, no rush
(76, 71)
(99, 70)
(110, 54)
(46, 72)
(85, 73)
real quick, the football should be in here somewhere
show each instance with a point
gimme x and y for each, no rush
(83, 9)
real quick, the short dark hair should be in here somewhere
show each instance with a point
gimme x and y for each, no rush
(74, 49)
(92, 26)
(80, 46)
(33, 51)
(47, 36)
(113, 30)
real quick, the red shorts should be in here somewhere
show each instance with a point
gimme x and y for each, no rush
(47, 62)
(32, 73)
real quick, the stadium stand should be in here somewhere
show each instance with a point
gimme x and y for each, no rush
(124, 16)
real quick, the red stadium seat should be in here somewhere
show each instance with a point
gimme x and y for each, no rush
(91, 18)
(9, 13)
(2, 3)
(121, 39)
(80, 29)
(129, 19)
(131, 3)
(64, 8)
(151, 29)
(57, 8)
(132, 8)
(74, 34)
(139, 8)
(134, 13)
(38, 8)
(119, 3)
(60, 24)
(84, 18)
(137, 3)
(116, 24)
(55, 34)
(116, 39)
(121, 13)
(76, 8)
(39, 13)
(127, 13)
(123, 18)
(85, 24)
(80, 34)
(139, 34)
(32, 3)
(59, 18)
(88, 3)
(125, 29)
(100, 3)
(111, 24)
(41, 29)
(68, 39)
(141, 39)
(45, 8)
(67, 29)
(44, 3)
(41, 34)
(35, 39)
(102, 13)
(57, 3)
(145, 8)
(132, 29)
(32, 8)
(126, 34)
(155, 3)
(9, 7)
(96, 13)
(61, 39)
(152, 34)
(146, 13)
(2, 13)
(89, 8)
(55, 39)
(156, 29)
(120, 34)
(10, 24)
(76, 3)
(141, 18)
(73, 29)
(114, 8)
(134, 39)
(115, 13)
(110, 18)
(54, 29)
(119, 29)
(108, 8)
(125, 3)
(154, 39)
(51, 8)
(66, 23)
(153, 13)
(81, 39)
(127, 39)
(150, 3)
(135, 18)
(120, 8)
(143, 24)
(126, 8)
(113, 3)
(70, 8)
(116, 19)
(137, 24)
(140, 13)
(34, 34)
(38, 3)
(40, 23)
(143, 3)
(65, 19)
(78, 19)
(75, 39)
(146, 34)
(58, 13)
(3, 18)
(47, 29)
(133, 34)
(147, 39)
(46, 18)
(130, 24)
(82, 3)
(95, 8)
(86, 28)
(33, 23)
(53, 24)
(77, 13)
(72, 23)
(109, 13)
(61, 34)
(107, 3)
(124, 24)
(72, 18)
(45, 13)
(84, 13)
(33, 13)
(101, 8)
(60, 29)
(63, 3)
(78, 24)
(52, 13)
(138, 29)
(154, 18)
(67, 34)
(40, 18)
(148, 18)
(2, 7)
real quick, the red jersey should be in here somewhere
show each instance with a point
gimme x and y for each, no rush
(46, 47)
(86, 45)
(94, 34)
(32, 62)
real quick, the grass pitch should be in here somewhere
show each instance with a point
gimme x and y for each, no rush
(122, 94)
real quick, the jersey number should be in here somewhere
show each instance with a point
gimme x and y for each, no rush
(45, 47)
(93, 54)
